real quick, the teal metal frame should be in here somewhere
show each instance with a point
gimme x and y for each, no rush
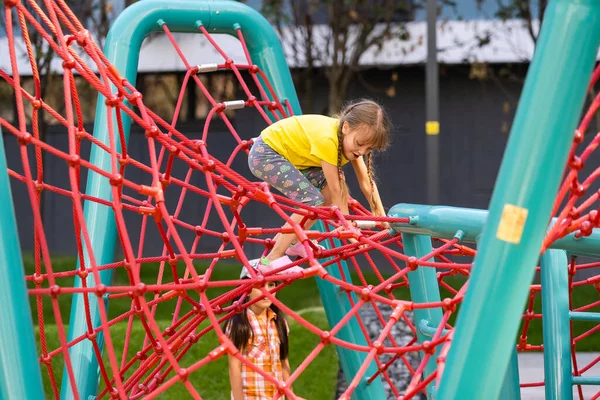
(511, 386)
(337, 306)
(20, 376)
(528, 181)
(556, 327)
(443, 222)
(423, 286)
(122, 49)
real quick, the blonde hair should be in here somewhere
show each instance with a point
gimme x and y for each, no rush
(371, 115)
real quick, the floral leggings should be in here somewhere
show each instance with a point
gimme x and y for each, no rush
(302, 186)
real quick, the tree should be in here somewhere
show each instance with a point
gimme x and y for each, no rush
(95, 15)
(333, 35)
(530, 11)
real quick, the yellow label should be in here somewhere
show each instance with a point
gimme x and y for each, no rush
(512, 223)
(432, 127)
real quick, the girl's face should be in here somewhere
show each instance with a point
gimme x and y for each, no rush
(353, 143)
(265, 303)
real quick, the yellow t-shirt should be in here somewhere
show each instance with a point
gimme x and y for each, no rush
(305, 140)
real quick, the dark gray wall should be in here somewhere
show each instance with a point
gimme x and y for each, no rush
(472, 115)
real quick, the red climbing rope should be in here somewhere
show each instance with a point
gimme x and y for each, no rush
(150, 197)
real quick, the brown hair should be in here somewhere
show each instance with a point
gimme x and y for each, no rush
(371, 115)
(240, 330)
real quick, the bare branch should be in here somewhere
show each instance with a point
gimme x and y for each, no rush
(335, 34)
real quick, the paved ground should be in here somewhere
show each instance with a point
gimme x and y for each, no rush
(531, 369)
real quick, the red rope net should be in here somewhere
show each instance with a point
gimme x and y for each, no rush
(144, 355)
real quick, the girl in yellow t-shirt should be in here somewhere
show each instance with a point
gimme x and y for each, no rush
(302, 157)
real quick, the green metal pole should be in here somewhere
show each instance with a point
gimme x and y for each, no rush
(123, 46)
(424, 289)
(444, 221)
(522, 201)
(439, 221)
(556, 325)
(511, 387)
(122, 49)
(20, 376)
(337, 306)
(586, 380)
(584, 316)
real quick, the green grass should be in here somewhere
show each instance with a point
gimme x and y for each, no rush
(211, 381)
(149, 272)
(581, 295)
(317, 382)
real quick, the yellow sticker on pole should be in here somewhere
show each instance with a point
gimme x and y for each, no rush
(432, 127)
(512, 223)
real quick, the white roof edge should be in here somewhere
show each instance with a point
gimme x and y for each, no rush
(458, 43)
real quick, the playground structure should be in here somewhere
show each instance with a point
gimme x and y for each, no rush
(456, 363)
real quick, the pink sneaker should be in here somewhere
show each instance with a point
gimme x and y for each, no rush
(298, 250)
(264, 266)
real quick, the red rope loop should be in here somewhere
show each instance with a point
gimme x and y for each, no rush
(152, 192)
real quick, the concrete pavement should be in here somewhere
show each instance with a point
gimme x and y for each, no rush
(531, 369)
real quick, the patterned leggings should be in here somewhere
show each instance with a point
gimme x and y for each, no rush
(302, 186)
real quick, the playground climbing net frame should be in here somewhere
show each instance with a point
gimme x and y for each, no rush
(147, 195)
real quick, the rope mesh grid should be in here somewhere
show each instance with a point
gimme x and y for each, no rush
(149, 367)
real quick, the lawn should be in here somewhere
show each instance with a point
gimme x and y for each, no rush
(211, 381)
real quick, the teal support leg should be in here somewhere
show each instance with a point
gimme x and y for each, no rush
(424, 289)
(556, 326)
(337, 306)
(443, 222)
(102, 233)
(20, 376)
(522, 201)
(511, 387)
(102, 230)
(122, 49)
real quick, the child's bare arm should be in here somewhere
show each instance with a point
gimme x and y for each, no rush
(371, 193)
(333, 182)
(235, 378)
(286, 369)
